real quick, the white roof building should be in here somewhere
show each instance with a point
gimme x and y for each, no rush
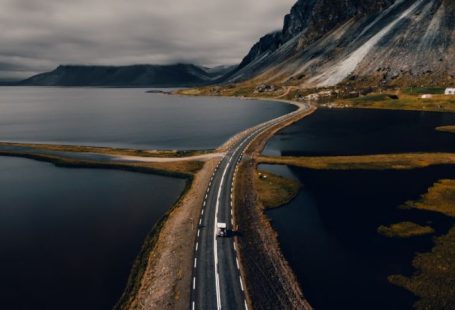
(450, 91)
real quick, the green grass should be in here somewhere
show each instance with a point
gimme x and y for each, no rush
(373, 98)
(439, 103)
(404, 230)
(424, 90)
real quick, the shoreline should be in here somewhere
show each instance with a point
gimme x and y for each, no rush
(170, 280)
(262, 262)
(147, 269)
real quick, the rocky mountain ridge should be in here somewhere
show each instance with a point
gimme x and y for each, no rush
(177, 75)
(328, 42)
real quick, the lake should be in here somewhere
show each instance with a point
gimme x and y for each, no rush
(328, 234)
(68, 237)
(127, 117)
(363, 131)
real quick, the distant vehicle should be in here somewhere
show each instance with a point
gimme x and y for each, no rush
(221, 230)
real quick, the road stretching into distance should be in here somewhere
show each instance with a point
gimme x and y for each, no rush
(217, 282)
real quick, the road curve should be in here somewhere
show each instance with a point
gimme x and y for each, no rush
(217, 282)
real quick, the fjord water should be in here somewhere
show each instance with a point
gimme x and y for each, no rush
(328, 233)
(68, 237)
(363, 131)
(127, 117)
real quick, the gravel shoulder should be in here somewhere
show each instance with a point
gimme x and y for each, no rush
(166, 281)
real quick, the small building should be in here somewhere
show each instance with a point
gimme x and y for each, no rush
(426, 96)
(450, 91)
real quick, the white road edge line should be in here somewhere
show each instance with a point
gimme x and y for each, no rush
(194, 283)
(215, 246)
(217, 281)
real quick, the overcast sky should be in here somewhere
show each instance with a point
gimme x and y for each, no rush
(38, 35)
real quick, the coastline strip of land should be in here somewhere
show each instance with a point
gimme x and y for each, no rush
(368, 162)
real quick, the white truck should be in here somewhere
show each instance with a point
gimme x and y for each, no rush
(221, 230)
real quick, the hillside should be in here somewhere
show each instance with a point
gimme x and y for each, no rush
(132, 76)
(328, 42)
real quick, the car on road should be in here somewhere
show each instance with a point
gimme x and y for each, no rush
(221, 230)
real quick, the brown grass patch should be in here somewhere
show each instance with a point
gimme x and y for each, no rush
(274, 190)
(450, 129)
(404, 230)
(434, 281)
(367, 162)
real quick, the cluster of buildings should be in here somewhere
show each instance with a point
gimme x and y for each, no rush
(447, 92)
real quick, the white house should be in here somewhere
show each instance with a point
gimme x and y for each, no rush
(426, 96)
(450, 91)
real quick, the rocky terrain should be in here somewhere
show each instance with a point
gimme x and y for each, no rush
(132, 76)
(328, 42)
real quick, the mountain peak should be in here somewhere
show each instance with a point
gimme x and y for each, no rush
(386, 42)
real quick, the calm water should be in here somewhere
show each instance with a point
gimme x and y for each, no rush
(328, 234)
(126, 117)
(351, 132)
(68, 237)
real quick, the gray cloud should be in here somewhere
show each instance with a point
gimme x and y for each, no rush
(37, 35)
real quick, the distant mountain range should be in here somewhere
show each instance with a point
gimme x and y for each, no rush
(178, 75)
(322, 43)
(359, 42)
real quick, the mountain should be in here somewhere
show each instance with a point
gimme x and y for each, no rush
(362, 42)
(177, 75)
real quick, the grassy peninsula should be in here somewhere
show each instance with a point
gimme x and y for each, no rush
(450, 129)
(404, 230)
(378, 162)
(434, 280)
(274, 190)
(105, 150)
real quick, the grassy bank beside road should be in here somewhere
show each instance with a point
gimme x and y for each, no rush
(178, 168)
(379, 162)
(274, 190)
(105, 150)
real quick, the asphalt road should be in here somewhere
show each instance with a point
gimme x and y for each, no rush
(217, 282)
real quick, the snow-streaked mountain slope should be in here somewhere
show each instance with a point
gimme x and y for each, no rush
(402, 42)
